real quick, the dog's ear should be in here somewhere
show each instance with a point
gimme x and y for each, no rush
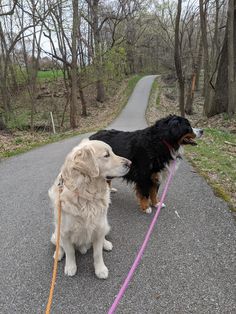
(69, 174)
(85, 161)
(175, 127)
(81, 161)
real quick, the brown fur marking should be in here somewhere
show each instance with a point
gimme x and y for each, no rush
(143, 201)
(153, 195)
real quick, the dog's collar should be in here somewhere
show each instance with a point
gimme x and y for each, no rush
(84, 194)
(171, 148)
(61, 185)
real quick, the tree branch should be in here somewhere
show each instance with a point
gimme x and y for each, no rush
(11, 12)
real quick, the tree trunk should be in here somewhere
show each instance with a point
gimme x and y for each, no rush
(130, 35)
(14, 83)
(4, 73)
(82, 99)
(231, 36)
(98, 56)
(5, 97)
(221, 102)
(220, 99)
(203, 21)
(190, 94)
(178, 64)
(199, 64)
(74, 73)
(33, 75)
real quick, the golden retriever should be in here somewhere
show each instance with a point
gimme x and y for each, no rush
(85, 198)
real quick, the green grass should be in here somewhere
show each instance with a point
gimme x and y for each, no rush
(131, 85)
(49, 75)
(154, 96)
(212, 153)
(216, 160)
(19, 121)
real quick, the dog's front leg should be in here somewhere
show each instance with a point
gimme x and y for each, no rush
(101, 270)
(154, 190)
(153, 194)
(70, 266)
(143, 197)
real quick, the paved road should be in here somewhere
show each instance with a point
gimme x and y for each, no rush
(189, 265)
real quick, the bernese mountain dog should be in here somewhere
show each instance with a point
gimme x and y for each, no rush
(151, 151)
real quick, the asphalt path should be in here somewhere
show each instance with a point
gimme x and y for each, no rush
(189, 264)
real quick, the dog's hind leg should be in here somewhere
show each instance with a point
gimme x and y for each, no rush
(153, 194)
(107, 245)
(154, 190)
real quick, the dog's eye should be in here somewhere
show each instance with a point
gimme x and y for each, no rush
(107, 155)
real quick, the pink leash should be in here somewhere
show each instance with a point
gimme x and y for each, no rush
(145, 242)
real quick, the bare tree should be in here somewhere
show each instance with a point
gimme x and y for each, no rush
(178, 63)
(231, 57)
(11, 11)
(67, 50)
(224, 99)
(203, 19)
(74, 72)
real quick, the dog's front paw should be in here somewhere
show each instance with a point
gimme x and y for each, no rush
(107, 245)
(70, 269)
(148, 210)
(102, 272)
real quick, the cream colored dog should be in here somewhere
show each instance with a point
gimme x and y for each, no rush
(85, 198)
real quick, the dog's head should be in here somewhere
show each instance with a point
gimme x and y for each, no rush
(177, 131)
(92, 159)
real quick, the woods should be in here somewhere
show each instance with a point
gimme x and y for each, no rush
(98, 43)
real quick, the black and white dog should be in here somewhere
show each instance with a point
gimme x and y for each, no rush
(151, 151)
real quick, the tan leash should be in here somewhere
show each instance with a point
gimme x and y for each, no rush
(54, 274)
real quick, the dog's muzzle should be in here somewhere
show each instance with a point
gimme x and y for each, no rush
(198, 132)
(127, 163)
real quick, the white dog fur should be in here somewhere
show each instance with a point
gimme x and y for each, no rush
(85, 199)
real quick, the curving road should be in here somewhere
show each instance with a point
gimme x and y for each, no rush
(189, 265)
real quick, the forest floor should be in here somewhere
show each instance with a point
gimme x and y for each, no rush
(18, 138)
(215, 156)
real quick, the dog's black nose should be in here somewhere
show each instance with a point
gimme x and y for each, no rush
(128, 163)
(201, 131)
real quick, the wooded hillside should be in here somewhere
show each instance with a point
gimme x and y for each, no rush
(53, 53)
